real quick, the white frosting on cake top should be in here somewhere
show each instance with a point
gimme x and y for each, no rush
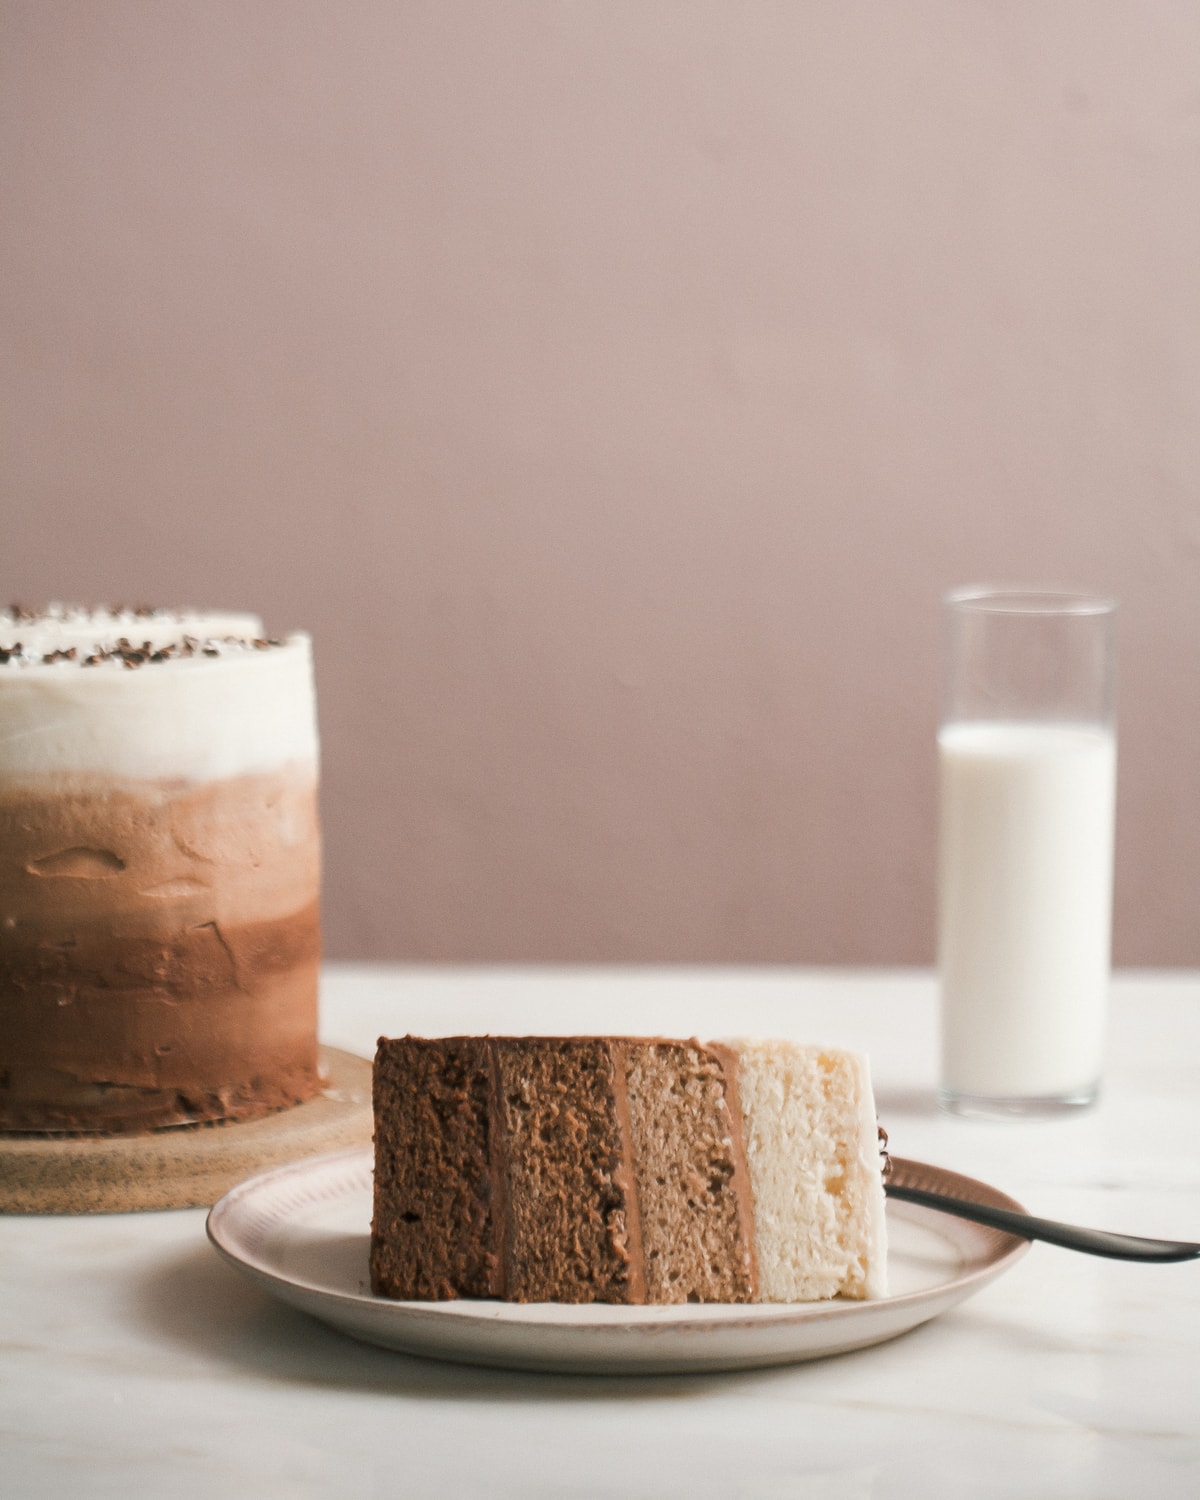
(151, 695)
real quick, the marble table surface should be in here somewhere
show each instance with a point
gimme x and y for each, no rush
(135, 1363)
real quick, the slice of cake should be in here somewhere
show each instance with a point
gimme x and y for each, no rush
(624, 1169)
(159, 870)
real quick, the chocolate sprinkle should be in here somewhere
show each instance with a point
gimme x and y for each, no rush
(123, 652)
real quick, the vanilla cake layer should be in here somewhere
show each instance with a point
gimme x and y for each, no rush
(813, 1154)
(159, 871)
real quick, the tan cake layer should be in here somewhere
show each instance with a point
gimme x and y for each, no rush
(159, 947)
(693, 1198)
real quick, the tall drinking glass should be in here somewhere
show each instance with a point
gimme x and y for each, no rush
(1027, 751)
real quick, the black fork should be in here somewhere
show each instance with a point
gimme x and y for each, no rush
(1069, 1236)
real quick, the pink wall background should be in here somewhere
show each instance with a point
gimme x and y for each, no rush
(613, 388)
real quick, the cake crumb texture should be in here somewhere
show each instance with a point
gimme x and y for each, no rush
(434, 1232)
(567, 1191)
(694, 1231)
(815, 1174)
(624, 1170)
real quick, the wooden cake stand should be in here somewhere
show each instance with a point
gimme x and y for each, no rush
(184, 1166)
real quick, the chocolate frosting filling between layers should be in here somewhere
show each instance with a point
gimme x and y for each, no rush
(500, 1220)
(625, 1179)
(740, 1182)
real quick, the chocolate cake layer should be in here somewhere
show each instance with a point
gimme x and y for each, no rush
(438, 1207)
(484, 1153)
(569, 1168)
(159, 947)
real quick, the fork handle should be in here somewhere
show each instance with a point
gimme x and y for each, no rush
(1069, 1236)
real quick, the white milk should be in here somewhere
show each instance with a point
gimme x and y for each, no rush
(1025, 906)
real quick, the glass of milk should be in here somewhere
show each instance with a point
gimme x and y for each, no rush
(1027, 752)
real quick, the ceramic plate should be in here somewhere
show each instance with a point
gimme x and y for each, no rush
(303, 1232)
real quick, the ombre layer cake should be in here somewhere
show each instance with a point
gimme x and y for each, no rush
(159, 870)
